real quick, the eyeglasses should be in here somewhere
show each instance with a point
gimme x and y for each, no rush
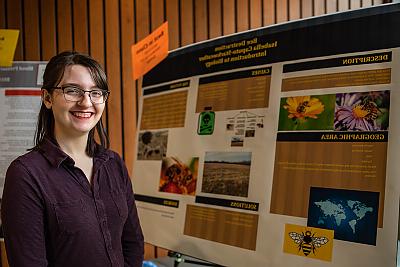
(75, 94)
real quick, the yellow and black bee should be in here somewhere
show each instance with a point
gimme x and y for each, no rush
(371, 108)
(302, 107)
(308, 242)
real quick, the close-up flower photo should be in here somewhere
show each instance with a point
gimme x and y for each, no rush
(306, 113)
(362, 111)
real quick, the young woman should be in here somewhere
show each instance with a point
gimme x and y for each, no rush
(69, 201)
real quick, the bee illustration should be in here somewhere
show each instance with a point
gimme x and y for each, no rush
(308, 242)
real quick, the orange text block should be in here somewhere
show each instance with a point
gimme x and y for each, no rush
(150, 51)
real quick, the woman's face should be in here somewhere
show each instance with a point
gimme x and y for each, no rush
(74, 119)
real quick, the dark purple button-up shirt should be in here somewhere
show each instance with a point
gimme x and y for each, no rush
(52, 216)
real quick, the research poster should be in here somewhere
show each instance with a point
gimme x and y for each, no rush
(19, 103)
(278, 146)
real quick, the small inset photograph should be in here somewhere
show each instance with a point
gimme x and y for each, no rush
(237, 141)
(230, 126)
(178, 177)
(307, 113)
(226, 173)
(250, 133)
(367, 111)
(152, 145)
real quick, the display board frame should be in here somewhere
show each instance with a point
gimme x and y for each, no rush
(299, 168)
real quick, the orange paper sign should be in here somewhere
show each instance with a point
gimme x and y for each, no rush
(150, 51)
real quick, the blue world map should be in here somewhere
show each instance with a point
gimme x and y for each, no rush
(337, 212)
(352, 218)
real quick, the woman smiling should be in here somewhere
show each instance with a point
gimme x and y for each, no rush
(69, 201)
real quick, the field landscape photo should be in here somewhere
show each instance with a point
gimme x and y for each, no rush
(226, 173)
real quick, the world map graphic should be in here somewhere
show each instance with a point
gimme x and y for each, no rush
(337, 212)
(353, 215)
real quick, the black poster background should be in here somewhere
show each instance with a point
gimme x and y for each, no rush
(355, 31)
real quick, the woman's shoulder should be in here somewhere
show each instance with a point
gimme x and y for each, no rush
(30, 158)
(22, 165)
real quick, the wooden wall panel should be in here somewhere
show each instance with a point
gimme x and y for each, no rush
(14, 21)
(31, 30)
(3, 13)
(355, 4)
(149, 252)
(294, 9)
(146, 20)
(172, 8)
(96, 30)
(143, 19)
(367, 3)
(242, 15)
(64, 25)
(113, 57)
(343, 5)
(281, 11)
(80, 22)
(96, 38)
(4, 261)
(307, 8)
(228, 14)
(187, 16)
(201, 19)
(255, 14)
(319, 8)
(269, 17)
(48, 29)
(215, 19)
(157, 13)
(128, 85)
(331, 6)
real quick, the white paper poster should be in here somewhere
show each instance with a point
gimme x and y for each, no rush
(19, 108)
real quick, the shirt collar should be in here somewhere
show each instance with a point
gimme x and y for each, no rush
(53, 153)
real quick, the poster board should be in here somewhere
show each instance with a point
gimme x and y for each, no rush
(276, 147)
(19, 107)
